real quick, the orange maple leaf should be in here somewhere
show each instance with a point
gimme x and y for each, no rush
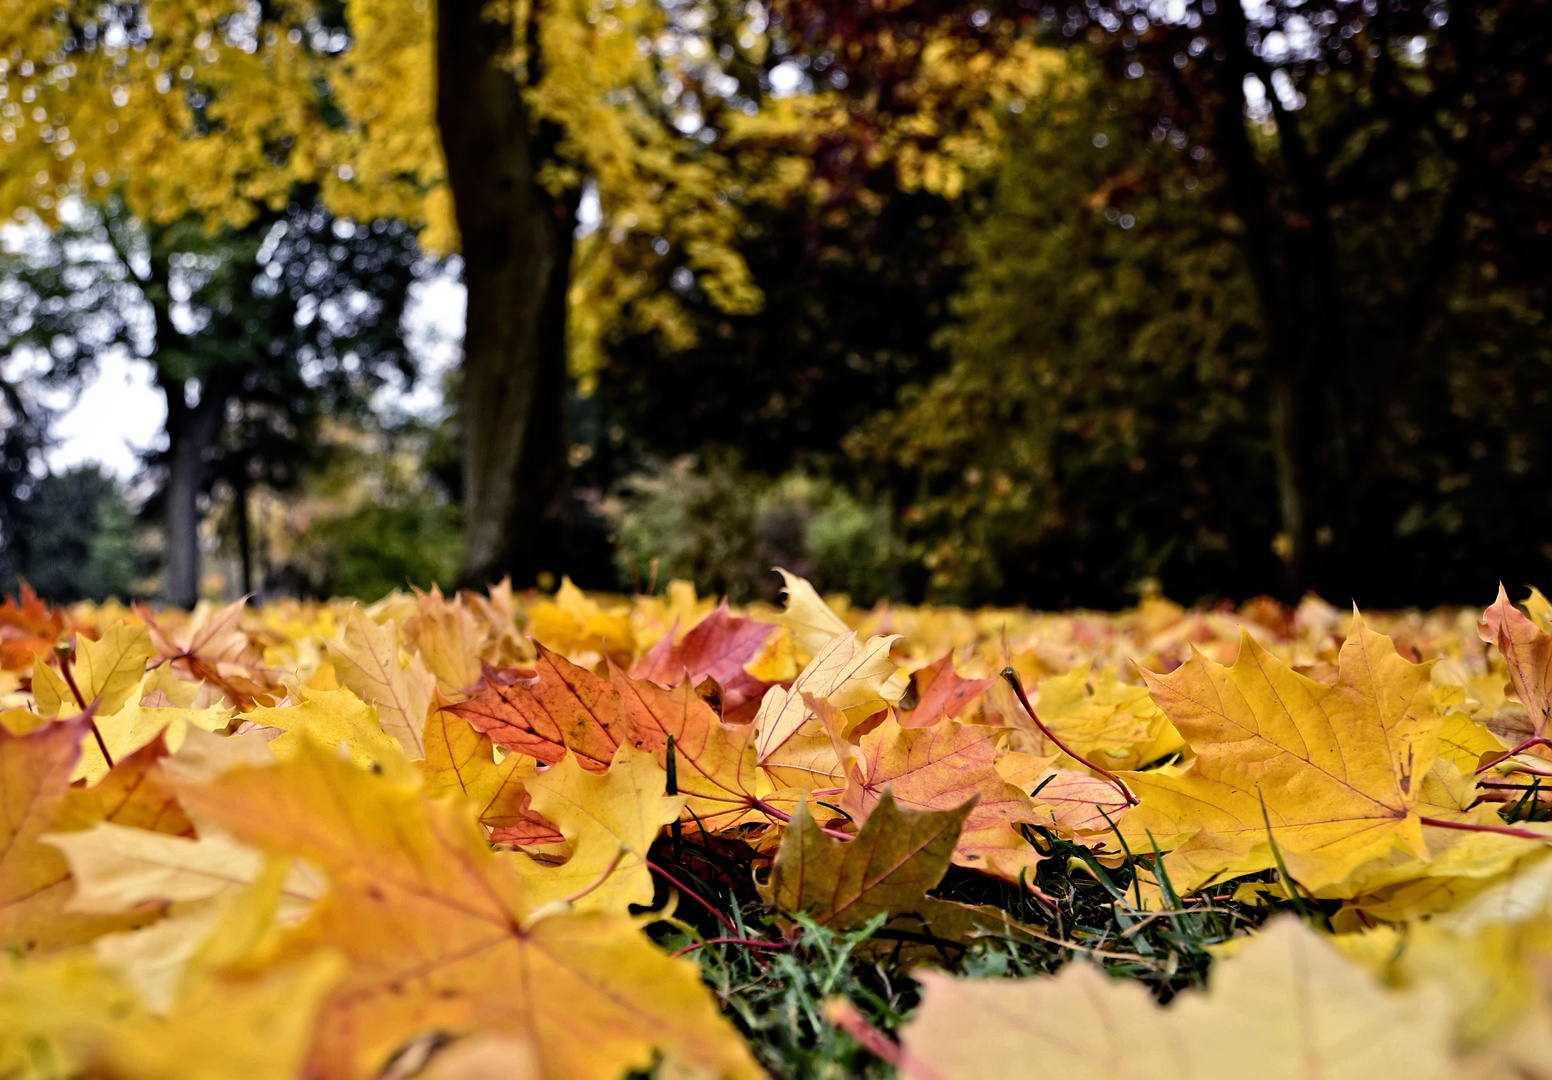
(29, 629)
(940, 693)
(36, 798)
(717, 648)
(714, 762)
(1527, 651)
(560, 707)
(441, 938)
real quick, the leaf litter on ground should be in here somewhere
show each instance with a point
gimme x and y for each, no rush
(589, 836)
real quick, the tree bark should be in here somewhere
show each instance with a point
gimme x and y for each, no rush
(190, 431)
(516, 247)
(1291, 254)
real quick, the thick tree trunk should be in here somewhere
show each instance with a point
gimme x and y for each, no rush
(1291, 254)
(190, 430)
(516, 246)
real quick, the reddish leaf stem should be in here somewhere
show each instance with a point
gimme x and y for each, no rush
(844, 1015)
(748, 942)
(1534, 740)
(90, 712)
(1012, 679)
(786, 819)
(1502, 830)
(692, 894)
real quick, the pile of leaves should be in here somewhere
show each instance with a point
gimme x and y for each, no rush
(571, 836)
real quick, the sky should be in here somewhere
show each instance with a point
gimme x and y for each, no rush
(120, 412)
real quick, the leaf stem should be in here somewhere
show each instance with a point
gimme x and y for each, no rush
(751, 943)
(1012, 679)
(844, 1015)
(614, 862)
(691, 893)
(786, 819)
(1468, 826)
(64, 652)
(1534, 740)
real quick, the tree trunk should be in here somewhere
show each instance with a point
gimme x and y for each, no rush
(1291, 254)
(244, 539)
(190, 430)
(516, 247)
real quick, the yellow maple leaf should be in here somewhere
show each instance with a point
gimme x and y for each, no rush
(333, 718)
(1285, 1005)
(580, 628)
(1102, 718)
(367, 663)
(610, 820)
(440, 935)
(134, 726)
(1338, 769)
(105, 671)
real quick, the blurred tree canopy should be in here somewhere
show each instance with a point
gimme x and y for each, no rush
(1015, 301)
(255, 333)
(73, 539)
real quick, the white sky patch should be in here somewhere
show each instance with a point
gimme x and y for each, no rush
(117, 415)
(786, 78)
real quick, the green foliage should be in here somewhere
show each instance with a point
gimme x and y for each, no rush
(374, 550)
(1100, 424)
(75, 538)
(722, 527)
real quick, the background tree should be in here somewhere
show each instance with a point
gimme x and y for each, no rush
(1096, 427)
(1376, 164)
(74, 538)
(223, 109)
(23, 429)
(255, 334)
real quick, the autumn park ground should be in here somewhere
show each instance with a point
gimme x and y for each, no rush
(518, 834)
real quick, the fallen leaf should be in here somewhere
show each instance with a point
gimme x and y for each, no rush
(134, 726)
(211, 647)
(561, 707)
(579, 627)
(940, 768)
(718, 647)
(1527, 650)
(714, 762)
(939, 693)
(897, 856)
(446, 635)
(438, 935)
(105, 671)
(1338, 768)
(1285, 1005)
(367, 662)
(29, 629)
(331, 719)
(460, 759)
(36, 799)
(809, 618)
(610, 821)
(792, 745)
(1105, 720)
